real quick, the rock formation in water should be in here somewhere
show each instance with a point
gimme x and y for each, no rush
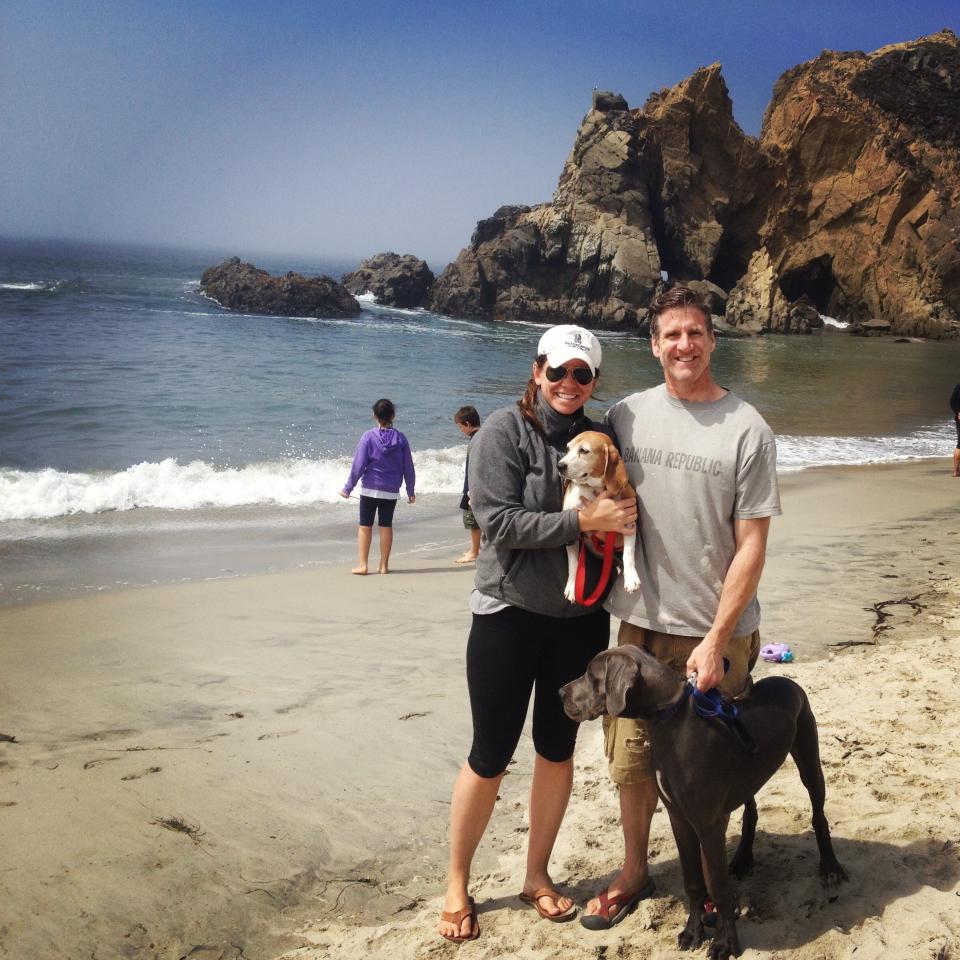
(667, 187)
(395, 280)
(846, 205)
(242, 286)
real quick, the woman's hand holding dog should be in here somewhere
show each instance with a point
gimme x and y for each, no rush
(607, 515)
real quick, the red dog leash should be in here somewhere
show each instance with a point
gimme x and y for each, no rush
(581, 581)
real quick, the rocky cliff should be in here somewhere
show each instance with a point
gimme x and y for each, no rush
(395, 280)
(844, 206)
(863, 217)
(242, 286)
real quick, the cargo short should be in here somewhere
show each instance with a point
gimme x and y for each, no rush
(626, 744)
(469, 520)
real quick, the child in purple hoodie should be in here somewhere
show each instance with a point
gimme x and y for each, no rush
(382, 461)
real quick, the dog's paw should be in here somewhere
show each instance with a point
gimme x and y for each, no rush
(724, 946)
(570, 593)
(631, 582)
(691, 936)
(832, 875)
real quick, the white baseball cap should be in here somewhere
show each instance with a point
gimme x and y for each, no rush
(570, 342)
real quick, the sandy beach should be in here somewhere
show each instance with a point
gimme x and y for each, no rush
(260, 766)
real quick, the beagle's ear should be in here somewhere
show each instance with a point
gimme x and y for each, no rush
(614, 476)
(622, 673)
(605, 472)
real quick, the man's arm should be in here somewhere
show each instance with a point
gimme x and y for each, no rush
(739, 586)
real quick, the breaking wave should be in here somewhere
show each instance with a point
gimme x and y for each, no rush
(171, 485)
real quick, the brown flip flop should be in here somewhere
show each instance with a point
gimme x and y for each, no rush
(624, 902)
(534, 900)
(457, 918)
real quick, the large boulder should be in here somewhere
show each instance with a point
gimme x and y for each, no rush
(394, 280)
(242, 286)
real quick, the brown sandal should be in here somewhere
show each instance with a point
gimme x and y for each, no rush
(534, 900)
(457, 918)
(625, 904)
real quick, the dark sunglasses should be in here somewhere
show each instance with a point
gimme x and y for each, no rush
(581, 374)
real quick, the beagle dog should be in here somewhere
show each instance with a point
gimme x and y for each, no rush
(593, 464)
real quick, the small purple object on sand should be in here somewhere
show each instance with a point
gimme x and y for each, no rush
(776, 653)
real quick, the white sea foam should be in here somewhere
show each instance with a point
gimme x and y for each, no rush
(370, 302)
(170, 485)
(833, 322)
(798, 453)
(48, 286)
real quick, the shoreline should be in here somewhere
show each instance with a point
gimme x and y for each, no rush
(84, 555)
(307, 725)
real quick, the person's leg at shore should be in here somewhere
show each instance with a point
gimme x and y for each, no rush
(564, 655)
(386, 510)
(638, 801)
(472, 804)
(628, 755)
(368, 511)
(549, 796)
(386, 544)
(473, 528)
(364, 539)
(473, 551)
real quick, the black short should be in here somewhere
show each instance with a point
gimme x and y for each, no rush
(956, 423)
(370, 506)
(511, 653)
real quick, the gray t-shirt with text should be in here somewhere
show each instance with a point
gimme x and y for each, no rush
(696, 468)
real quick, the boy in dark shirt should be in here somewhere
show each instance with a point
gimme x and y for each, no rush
(468, 420)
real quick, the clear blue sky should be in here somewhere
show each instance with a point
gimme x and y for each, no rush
(343, 129)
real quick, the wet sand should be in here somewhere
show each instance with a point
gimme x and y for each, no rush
(263, 763)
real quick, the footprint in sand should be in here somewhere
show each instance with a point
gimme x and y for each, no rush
(274, 736)
(96, 763)
(142, 773)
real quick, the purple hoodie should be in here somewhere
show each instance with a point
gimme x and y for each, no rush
(382, 461)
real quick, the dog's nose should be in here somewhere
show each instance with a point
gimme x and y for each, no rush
(562, 467)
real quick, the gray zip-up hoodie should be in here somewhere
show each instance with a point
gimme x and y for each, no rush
(516, 494)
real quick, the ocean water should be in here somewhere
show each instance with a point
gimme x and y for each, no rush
(124, 391)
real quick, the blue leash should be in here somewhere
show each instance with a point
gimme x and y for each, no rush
(713, 705)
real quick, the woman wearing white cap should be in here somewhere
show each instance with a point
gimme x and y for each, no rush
(526, 637)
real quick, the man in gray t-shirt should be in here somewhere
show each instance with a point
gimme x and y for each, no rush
(703, 463)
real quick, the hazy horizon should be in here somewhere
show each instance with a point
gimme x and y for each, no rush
(337, 131)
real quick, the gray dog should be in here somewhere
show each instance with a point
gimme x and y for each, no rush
(706, 768)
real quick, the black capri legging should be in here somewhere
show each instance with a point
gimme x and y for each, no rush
(370, 506)
(510, 653)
